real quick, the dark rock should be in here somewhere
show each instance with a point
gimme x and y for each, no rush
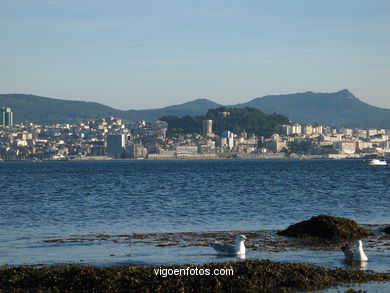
(351, 290)
(326, 227)
(387, 230)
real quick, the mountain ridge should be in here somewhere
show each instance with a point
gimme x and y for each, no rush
(340, 108)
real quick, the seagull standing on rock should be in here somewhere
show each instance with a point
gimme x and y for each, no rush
(227, 249)
(357, 255)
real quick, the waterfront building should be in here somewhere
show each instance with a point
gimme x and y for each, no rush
(297, 128)
(346, 131)
(207, 147)
(186, 149)
(275, 145)
(6, 116)
(347, 147)
(287, 130)
(307, 129)
(136, 151)
(318, 129)
(227, 139)
(385, 144)
(165, 152)
(116, 145)
(326, 130)
(168, 156)
(361, 133)
(97, 150)
(372, 132)
(367, 144)
(207, 128)
(359, 145)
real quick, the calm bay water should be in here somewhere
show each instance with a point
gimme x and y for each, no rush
(58, 199)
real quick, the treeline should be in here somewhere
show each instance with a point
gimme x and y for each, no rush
(239, 120)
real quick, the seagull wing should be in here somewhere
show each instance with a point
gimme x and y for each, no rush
(224, 248)
(348, 253)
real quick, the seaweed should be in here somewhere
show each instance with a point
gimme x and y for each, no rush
(249, 276)
(326, 227)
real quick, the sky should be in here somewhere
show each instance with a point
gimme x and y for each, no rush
(149, 54)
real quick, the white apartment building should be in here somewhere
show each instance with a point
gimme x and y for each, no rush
(347, 147)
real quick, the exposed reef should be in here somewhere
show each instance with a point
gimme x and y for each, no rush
(326, 227)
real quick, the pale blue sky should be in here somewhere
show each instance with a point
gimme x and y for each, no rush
(145, 54)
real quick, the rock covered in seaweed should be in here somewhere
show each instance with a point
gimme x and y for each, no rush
(326, 227)
(387, 230)
(248, 276)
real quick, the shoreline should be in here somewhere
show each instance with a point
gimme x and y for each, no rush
(250, 275)
(108, 159)
(178, 248)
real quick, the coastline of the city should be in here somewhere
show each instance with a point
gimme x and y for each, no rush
(195, 158)
(113, 138)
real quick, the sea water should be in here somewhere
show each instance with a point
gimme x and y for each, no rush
(42, 201)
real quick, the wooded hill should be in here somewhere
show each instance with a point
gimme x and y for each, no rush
(248, 119)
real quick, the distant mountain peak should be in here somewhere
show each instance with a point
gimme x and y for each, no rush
(197, 104)
(200, 100)
(346, 94)
(339, 108)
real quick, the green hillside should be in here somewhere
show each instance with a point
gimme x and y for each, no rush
(31, 108)
(247, 119)
(46, 110)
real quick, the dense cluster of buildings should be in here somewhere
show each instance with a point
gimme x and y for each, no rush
(114, 138)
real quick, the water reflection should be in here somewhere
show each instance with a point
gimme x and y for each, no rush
(358, 265)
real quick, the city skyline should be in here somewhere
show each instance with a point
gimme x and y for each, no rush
(130, 55)
(113, 138)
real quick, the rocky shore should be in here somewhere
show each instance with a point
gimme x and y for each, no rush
(326, 227)
(249, 276)
(316, 234)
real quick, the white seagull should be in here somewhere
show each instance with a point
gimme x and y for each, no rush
(227, 249)
(357, 255)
